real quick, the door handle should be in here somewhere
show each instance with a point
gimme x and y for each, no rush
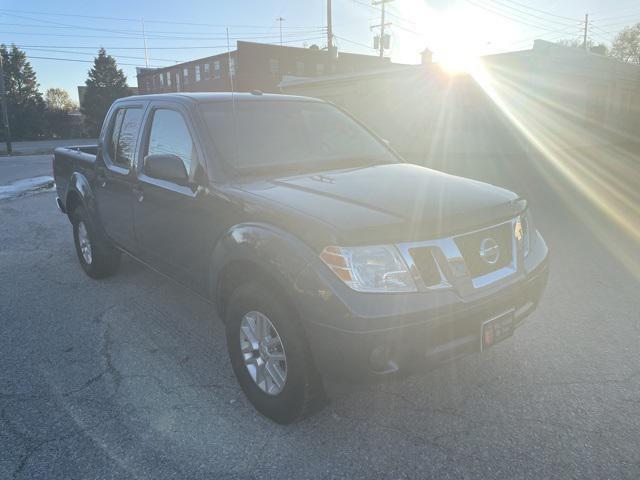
(102, 178)
(139, 193)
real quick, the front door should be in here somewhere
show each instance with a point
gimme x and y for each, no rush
(171, 220)
(114, 176)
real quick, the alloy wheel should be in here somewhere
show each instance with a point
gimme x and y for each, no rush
(263, 352)
(85, 243)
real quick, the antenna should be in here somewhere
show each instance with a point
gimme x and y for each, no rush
(233, 97)
(229, 62)
(280, 19)
(144, 39)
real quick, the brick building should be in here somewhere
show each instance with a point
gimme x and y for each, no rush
(253, 66)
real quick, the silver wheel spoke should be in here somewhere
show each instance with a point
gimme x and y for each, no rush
(263, 352)
(250, 336)
(85, 243)
(275, 374)
(277, 357)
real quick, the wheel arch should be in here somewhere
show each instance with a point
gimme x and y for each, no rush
(79, 192)
(257, 252)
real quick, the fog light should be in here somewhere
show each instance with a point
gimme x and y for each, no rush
(380, 360)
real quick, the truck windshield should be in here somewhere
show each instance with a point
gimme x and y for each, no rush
(289, 136)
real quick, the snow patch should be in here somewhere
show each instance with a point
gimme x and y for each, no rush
(25, 186)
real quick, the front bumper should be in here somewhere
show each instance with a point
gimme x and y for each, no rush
(359, 336)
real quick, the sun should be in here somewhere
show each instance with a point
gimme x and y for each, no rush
(457, 62)
(457, 36)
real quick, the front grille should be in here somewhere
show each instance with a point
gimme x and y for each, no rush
(426, 264)
(470, 246)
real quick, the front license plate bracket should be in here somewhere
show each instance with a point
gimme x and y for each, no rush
(496, 329)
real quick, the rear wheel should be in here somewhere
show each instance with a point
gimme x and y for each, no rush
(270, 356)
(97, 256)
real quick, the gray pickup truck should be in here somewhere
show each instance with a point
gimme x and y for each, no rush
(321, 250)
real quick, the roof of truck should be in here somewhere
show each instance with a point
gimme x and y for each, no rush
(204, 97)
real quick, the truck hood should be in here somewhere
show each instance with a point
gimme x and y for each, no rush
(389, 203)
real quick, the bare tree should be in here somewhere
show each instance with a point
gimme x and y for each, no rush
(577, 43)
(626, 45)
(58, 99)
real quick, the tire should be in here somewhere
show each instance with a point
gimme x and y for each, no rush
(301, 393)
(97, 256)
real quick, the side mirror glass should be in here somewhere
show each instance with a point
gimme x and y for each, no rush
(166, 167)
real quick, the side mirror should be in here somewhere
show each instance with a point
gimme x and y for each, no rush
(166, 167)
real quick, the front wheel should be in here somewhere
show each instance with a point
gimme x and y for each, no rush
(97, 256)
(269, 355)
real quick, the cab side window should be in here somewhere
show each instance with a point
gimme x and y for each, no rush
(112, 146)
(169, 135)
(124, 135)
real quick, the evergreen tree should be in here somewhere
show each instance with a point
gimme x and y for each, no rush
(24, 101)
(106, 83)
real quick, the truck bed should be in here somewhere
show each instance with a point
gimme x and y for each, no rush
(67, 161)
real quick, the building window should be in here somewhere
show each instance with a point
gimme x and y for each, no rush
(299, 68)
(320, 68)
(161, 80)
(274, 66)
(197, 73)
(178, 87)
(216, 70)
(168, 79)
(185, 74)
(207, 70)
(232, 66)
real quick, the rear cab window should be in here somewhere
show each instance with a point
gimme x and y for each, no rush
(123, 138)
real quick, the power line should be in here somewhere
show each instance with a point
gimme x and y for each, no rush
(129, 19)
(538, 10)
(511, 17)
(191, 47)
(140, 37)
(88, 53)
(632, 15)
(87, 61)
(354, 42)
(378, 9)
(155, 33)
(620, 24)
(500, 4)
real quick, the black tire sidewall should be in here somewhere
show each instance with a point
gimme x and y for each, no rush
(286, 406)
(80, 216)
(105, 258)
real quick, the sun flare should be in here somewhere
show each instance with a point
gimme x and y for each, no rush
(457, 36)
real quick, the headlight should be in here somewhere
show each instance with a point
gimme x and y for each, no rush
(370, 269)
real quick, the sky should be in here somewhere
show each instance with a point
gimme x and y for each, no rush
(61, 38)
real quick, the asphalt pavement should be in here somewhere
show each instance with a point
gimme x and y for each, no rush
(25, 166)
(128, 377)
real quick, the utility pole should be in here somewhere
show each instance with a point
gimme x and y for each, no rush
(280, 19)
(144, 39)
(5, 113)
(329, 32)
(382, 3)
(586, 29)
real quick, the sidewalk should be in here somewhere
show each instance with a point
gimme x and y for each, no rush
(37, 147)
